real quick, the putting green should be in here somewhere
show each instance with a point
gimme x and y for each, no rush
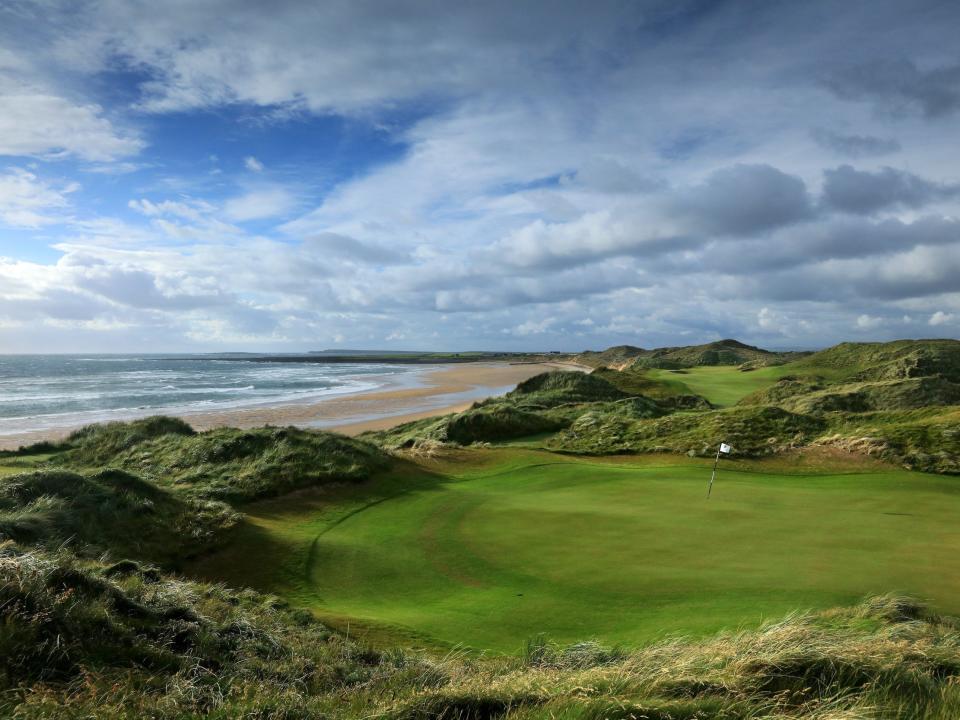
(621, 551)
(722, 385)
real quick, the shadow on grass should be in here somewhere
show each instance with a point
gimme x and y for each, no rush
(275, 545)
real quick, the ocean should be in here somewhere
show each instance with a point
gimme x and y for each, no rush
(40, 392)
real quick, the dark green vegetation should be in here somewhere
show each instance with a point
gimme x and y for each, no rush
(108, 511)
(541, 404)
(897, 401)
(157, 490)
(721, 352)
(226, 463)
(84, 640)
(432, 545)
(544, 403)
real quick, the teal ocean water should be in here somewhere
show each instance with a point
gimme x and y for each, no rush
(40, 392)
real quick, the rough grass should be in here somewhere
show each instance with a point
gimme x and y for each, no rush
(722, 352)
(559, 388)
(108, 511)
(99, 444)
(809, 396)
(753, 432)
(888, 419)
(226, 463)
(543, 404)
(923, 439)
(79, 640)
(859, 362)
(87, 640)
(482, 423)
(879, 399)
(616, 357)
(668, 389)
(927, 439)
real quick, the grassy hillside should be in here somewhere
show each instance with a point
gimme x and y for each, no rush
(108, 511)
(753, 432)
(856, 378)
(884, 361)
(927, 439)
(558, 388)
(225, 463)
(666, 388)
(88, 640)
(616, 357)
(82, 641)
(814, 400)
(721, 352)
(154, 489)
(541, 404)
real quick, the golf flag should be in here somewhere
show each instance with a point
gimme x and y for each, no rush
(725, 449)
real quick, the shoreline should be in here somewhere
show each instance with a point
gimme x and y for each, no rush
(441, 390)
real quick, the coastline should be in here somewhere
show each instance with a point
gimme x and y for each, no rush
(441, 389)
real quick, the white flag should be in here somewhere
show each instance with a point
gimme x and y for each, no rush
(724, 448)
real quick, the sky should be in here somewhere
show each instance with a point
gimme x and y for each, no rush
(204, 175)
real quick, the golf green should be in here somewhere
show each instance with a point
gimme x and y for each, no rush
(622, 551)
(722, 385)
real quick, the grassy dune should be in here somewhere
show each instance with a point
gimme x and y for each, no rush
(506, 544)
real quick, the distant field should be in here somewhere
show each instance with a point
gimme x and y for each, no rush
(12, 466)
(626, 550)
(722, 385)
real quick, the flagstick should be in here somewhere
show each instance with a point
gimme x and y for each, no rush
(713, 474)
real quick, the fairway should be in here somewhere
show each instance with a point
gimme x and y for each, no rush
(623, 551)
(722, 385)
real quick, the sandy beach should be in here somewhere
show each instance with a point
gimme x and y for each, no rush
(440, 390)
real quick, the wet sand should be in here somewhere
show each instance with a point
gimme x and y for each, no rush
(442, 389)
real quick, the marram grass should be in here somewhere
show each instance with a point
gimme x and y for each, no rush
(81, 640)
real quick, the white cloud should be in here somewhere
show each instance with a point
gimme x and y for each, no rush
(940, 318)
(557, 169)
(37, 123)
(260, 204)
(193, 210)
(869, 322)
(27, 201)
(534, 327)
(767, 319)
(114, 168)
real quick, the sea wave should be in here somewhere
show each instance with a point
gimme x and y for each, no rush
(48, 421)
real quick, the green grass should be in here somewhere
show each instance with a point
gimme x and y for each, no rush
(224, 463)
(846, 362)
(507, 544)
(86, 640)
(722, 385)
(109, 511)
